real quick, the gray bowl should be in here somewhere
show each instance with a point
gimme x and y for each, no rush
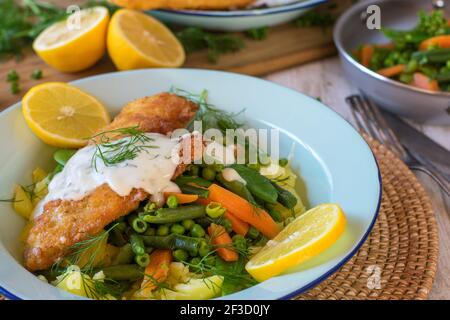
(350, 31)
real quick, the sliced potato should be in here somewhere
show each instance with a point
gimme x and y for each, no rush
(22, 202)
(38, 174)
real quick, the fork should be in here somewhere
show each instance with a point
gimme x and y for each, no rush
(369, 119)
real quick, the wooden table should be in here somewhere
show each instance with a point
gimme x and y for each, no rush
(325, 79)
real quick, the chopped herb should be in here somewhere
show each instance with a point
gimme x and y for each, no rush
(37, 74)
(195, 39)
(257, 33)
(315, 19)
(12, 76)
(15, 87)
(113, 152)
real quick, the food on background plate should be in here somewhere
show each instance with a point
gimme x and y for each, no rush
(419, 57)
(182, 4)
(76, 43)
(136, 40)
(131, 215)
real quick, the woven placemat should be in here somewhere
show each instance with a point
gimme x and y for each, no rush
(399, 258)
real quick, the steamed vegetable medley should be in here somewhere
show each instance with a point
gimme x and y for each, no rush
(195, 246)
(419, 57)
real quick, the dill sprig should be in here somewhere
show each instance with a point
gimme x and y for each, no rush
(114, 151)
(211, 116)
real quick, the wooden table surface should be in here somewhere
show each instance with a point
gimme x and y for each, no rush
(325, 79)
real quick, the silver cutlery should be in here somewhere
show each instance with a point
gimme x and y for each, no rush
(369, 119)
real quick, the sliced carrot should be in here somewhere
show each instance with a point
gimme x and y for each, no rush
(366, 55)
(157, 270)
(238, 226)
(222, 239)
(388, 45)
(182, 197)
(422, 81)
(439, 41)
(392, 71)
(244, 210)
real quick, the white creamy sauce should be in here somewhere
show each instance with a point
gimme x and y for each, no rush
(151, 170)
(230, 174)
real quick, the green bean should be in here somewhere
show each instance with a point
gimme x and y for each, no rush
(171, 215)
(204, 249)
(226, 224)
(116, 237)
(172, 201)
(443, 77)
(286, 198)
(143, 260)
(193, 170)
(259, 186)
(125, 272)
(177, 229)
(197, 231)
(139, 225)
(137, 244)
(173, 241)
(61, 156)
(180, 255)
(162, 230)
(432, 56)
(236, 187)
(274, 214)
(188, 189)
(124, 256)
(183, 180)
(150, 232)
(253, 233)
(215, 210)
(208, 174)
(188, 224)
(217, 167)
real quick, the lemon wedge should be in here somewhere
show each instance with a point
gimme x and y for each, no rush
(63, 115)
(76, 43)
(136, 40)
(305, 237)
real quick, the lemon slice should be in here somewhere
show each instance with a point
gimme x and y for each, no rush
(136, 40)
(305, 237)
(76, 43)
(63, 115)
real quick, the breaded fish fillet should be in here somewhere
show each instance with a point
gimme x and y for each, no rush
(182, 4)
(63, 223)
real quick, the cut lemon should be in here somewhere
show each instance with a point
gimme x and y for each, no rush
(305, 237)
(63, 115)
(136, 40)
(76, 43)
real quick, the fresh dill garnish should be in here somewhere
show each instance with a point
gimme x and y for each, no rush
(12, 200)
(257, 33)
(315, 19)
(114, 151)
(195, 39)
(209, 115)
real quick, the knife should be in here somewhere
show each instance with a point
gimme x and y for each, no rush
(423, 148)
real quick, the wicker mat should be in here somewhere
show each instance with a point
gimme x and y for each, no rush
(399, 259)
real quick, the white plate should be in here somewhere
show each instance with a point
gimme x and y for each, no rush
(332, 159)
(236, 20)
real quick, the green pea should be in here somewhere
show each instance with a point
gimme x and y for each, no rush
(193, 252)
(195, 264)
(218, 167)
(253, 233)
(208, 174)
(204, 249)
(150, 232)
(172, 201)
(139, 225)
(283, 162)
(197, 231)
(163, 230)
(194, 170)
(143, 260)
(177, 229)
(180, 255)
(239, 242)
(188, 224)
(210, 261)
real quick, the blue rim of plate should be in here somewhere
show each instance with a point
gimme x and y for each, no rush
(244, 13)
(314, 283)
